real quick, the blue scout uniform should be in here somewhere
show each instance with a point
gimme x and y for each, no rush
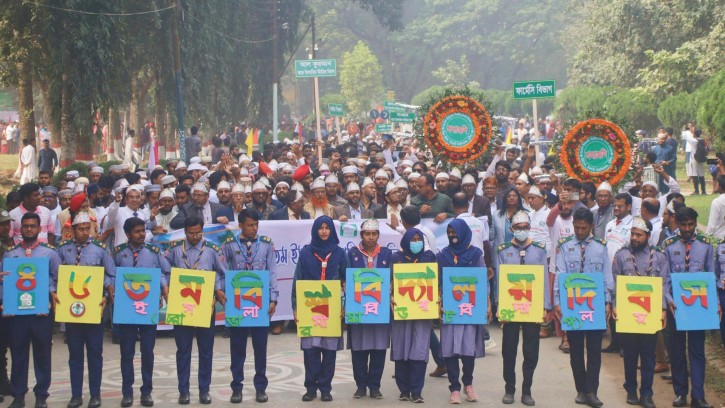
(695, 255)
(202, 256)
(251, 255)
(368, 342)
(145, 256)
(720, 269)
(532, 254)
(32, 329)
(650, 261)
(88, 336)
(587, 256)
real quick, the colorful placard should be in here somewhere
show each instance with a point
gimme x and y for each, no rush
(639, 304)
(319, 308)
(696, 301)
(25, 289)
(247, 298)
(191, 294)
(367, 296)
(415, 291)
(521, 293)
(137, 293)
(80, 293)
(582, 302)
(465, 295)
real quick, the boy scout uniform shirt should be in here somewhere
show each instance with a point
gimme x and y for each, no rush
(695, 255)
(595, 259)
(202, 256)
(532, 254)
(720, 265)
(41, 251)
(146, 256)
(650, 261)
(253, 255)
(93, 253)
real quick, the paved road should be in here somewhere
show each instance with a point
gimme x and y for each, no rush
(553, 385)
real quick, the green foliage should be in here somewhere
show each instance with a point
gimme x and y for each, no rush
(78, 166)
(455, 73)
(425, 95)
(502, 102)
(677, 110)
(711, 111)
(330, 98)
(360, 78)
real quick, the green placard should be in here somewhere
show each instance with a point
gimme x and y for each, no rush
(315, 68)
(393, 107)
(384, 128)
(402, 117)
(335, 109)
(534, 89)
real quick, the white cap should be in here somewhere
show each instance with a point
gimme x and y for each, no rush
(81, 218)
(370, 225)
(455, 172)
(639, 223)
(72, 173)
(195, 159)
(367, 181)
(468, 179)
(442, 176)
(605, 186)
(523, 177)
(331, 179)
(244, 158)
(282, 183)
(401, 183)
(288, 167)
(390, 187)
(199, 187)
(135, 187)
(414, 175)
(651, 183)
(166, 193)
(167, 179)
(238, 188)
(223, 185)
(142, 174)
(536, 171)
(349, 170)
(96, 169)
(520, 217)
(195, 166)
(408, 163)
(535, 191)
(259, 186)
(382, 173)
(181, 165)
(317, 184)
(324, 167)
(352, 187)
(247, 188)
(79, 188)
(70, 185)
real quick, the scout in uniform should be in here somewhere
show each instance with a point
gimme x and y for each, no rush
(687, 252)
(251, 252)
(85, 251)
(195, 252)
(136, 254)
(32, 329)
(583, 253)
(640, 259)
(522, 250)
(369, 342)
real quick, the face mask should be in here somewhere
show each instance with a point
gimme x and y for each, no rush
(521, 236)
(416, 247)
(453, 240)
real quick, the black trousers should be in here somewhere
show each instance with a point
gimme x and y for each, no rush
(530, 350)
(586, 374)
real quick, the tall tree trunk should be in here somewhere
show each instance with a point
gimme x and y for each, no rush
(114, 135)
(52, 102)
(68, 135)
(160, 121)
(25, 102)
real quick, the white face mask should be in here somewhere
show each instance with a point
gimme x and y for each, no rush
(521, 236)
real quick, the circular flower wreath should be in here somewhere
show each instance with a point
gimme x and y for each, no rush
(460, 108)
(608, 138)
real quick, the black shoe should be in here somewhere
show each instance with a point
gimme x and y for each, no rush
(360, 393)
(507, 399)
(75, 402)
(18, 402)
(581, 398)
(4, 387)
(41, 402)
(666, 377)
(226, 334)
(126, 401)
(325, 397)
(612, 348)
(404, 396)
(184, 398)
(528, 400)
(261, 396)
(147, 401)
(417, 398)
(593, 400)
(205, 398)
(95, 402)
(236, 397)
(632, 398)
(699, 403)
(376, 394)
(680, 401)
(647, 402)
(309, 396)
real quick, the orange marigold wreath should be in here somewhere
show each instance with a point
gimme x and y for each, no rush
(596, 150)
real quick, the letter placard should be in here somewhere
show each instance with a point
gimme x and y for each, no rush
(696, 299)
(191, 293)
(639, 304)
(367, 296)
(25, 290)
(465, 295)
(247, 299)
(80, 293)
(415, 291)
(319, 308)
(137, 296)
(581, 299)
(521, 293)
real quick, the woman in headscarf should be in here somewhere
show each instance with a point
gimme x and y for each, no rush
(322, 259)
(461, 341)
(410, 339)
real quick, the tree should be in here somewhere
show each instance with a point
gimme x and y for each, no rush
(711, 111)
(360, 78)
(677, 110)
(455, 73)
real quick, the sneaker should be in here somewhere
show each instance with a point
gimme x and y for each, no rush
(470, 393)
(404, 396)
(508, 399)
(489, 344)
(455, 397)
(417, 398)
(376, 394)
(360, 393)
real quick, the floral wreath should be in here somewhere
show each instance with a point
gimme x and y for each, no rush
(596, 150)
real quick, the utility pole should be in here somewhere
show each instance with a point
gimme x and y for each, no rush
(318, 131)
(176, 50)
(275, 72)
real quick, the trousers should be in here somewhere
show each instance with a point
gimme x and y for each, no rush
(367, 368)
(586, 374)
(184, 337)
(639, 347)
(530, 350)
(27, 330)
(410, 376)
(238, 349)
(128, 333)
(694, 343)
(82, 339)
(319, 369)
(454, 372)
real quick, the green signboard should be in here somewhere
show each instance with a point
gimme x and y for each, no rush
(315, 68)
(335, 109)
(402, 117)
(534, 89)
(393, 107)
(384, 128)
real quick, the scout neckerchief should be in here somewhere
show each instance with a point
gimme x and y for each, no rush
(248, 253)
(372, 256)
(583, 245)
(79, 249)
(688, 247)
(198, 258)
(323, 263)
(649, 266)
(135, 253)
(29, 250)
(522, 250)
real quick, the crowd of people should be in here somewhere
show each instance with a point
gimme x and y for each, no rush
(514, 209)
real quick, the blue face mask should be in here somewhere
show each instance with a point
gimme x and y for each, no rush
(416, 247)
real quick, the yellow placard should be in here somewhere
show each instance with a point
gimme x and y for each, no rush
(415, 291)
(319, 308)
(191, 293)
(80, 293)
(639, 304)
(521, 293)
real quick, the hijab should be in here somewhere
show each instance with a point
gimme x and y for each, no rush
(409, 256)
(461, 250)
(318, 245)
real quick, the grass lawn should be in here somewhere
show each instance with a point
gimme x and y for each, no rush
(8, 162)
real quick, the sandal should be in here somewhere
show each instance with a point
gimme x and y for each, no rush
(564, 346)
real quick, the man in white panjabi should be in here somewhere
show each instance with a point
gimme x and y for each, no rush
(28, 163)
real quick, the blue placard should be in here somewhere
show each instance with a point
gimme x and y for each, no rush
(581, 299)
(367, 296)
(136, 296)
(465, 295)
(247, 298)
(696, 301)
(26, 288)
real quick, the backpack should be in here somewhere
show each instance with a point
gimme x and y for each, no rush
(700, 151)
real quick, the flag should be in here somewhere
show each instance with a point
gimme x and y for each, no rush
(509, 134)
(250, 141)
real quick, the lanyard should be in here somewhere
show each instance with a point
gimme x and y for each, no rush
(688, 246)
(79, 249)
(29, 250)
(375, 253)
(583, 245)
(198, 258)
(136, 253)
(247, 254)
(324, 264)
(649, 267)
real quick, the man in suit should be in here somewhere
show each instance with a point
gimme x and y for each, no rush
(353, 209)
(293, 209)
(477, 205)
(211, 213)
(391, 208)
(604, 213)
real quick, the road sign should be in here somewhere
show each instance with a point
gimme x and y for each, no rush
(384, 128)
(393, 107)
(335, 109)
(384, 114)
(402, 117)
(374, 114)
(534, 89)
(315, 68)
